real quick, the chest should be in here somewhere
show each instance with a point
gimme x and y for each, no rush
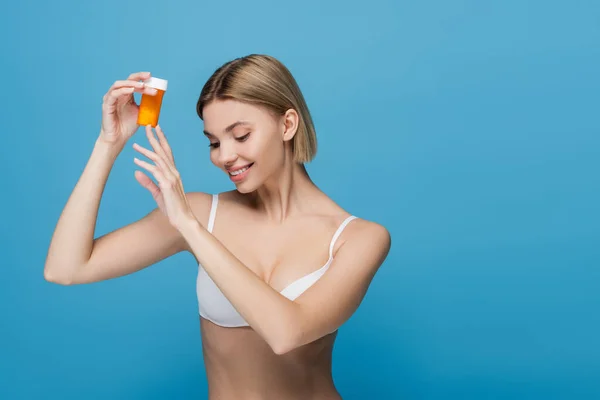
(280, 254)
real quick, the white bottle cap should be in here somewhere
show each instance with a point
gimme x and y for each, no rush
(156, 83)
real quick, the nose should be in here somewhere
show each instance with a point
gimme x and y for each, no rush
(227, 154)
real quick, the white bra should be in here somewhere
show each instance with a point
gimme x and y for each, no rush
(215, 307)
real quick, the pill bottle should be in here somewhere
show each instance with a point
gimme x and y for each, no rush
(150, 104)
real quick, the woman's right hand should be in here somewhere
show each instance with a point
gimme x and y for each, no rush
(120, 111)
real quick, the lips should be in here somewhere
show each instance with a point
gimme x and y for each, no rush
(238, 174)
(237, 170)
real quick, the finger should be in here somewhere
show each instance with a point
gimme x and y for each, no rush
(147, 183)
(153, 142)
(154, 190)
(137, 76)
(159, 150)
(126, 83)
(139, 87)
(163, 142)
(156, 158)
(155, 171)
(111, 97)
(151, 155)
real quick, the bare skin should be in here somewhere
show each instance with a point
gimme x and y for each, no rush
(277, 224)
(239, 363)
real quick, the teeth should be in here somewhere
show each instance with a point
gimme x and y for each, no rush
(239, 171)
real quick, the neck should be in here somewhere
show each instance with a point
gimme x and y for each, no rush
(285, 193)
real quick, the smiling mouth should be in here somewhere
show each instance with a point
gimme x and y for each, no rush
(241, 170)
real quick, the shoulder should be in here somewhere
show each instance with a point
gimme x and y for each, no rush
(201, 199)
(371, 232)
(200, 202)
(366, 242)
(365, 249)
(359, 231)
(365, 245)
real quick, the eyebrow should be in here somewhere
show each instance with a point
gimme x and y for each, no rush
(230, 127)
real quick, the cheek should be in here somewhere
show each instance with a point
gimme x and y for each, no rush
(254, 149)
(268, 152)
(214, 158)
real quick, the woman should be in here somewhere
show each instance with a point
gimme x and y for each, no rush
(281, 266)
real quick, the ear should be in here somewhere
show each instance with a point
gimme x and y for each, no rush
(291, 120)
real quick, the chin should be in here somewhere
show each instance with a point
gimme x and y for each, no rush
(243, 190)
(245, 187)
(249, 183)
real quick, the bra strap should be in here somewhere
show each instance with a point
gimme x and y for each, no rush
(213, 212)
(338, 233)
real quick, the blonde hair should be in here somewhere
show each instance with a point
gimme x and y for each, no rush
(263, 80)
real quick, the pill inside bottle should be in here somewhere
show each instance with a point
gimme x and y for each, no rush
(150, 104)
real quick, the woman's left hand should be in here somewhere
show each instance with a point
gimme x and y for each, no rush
(169, 194)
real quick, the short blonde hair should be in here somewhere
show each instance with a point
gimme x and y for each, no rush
(265, 81)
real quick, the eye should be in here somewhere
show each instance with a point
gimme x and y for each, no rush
(243, 138)
(213, 145)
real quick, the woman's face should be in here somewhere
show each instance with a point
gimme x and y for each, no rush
(246, 142)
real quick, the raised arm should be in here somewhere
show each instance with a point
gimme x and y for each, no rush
(74, 255)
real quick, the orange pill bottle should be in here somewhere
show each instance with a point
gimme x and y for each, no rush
(150, 104)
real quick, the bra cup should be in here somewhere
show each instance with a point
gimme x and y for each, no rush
(214, 306)
(296, 288)
(212, 303)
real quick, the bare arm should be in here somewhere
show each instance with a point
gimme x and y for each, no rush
(323, 308)
(74, 256)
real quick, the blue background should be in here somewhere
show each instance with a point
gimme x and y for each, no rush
(468, 128)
